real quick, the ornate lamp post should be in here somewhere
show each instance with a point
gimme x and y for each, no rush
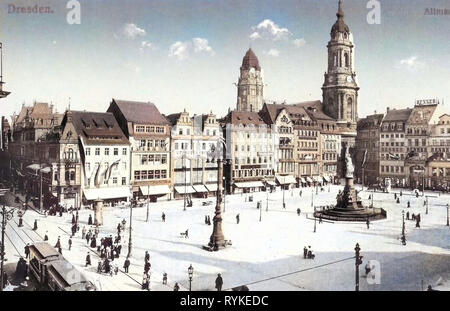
(358, 262)
(224, 192)
(447, 215)
(426, 210)
(403, 224)
(190, 274)
(7, 214)
(130, 244)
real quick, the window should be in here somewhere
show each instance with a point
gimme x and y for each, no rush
(140, 129)
(114, 180)
(124, 181)
(116, 151)
(163, 159)
(163, 174)
(88, 151)
(97, 151)
(106, 151)
(137, 175)
(151, 174)
(349, 108)
(143, 175)
(124, 151)
(346, 59)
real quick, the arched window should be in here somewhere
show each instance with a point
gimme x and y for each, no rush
(347, 63)
(67, 175)
(335, 59)
(349, 108)
(70, 154)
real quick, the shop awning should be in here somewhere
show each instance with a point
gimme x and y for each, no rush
(302, 180)
(308, 179)
(326, 178)
(200, 188)
(46, 170)
(107, 193)
(184, 189)
(283, 180)
(154, 190)
(211, 187)
(34, 166)
(317, 178)
(272, 183)
(250, 184)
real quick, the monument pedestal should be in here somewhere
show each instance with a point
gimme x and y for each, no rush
(98, 212)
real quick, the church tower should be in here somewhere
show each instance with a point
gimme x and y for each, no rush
(250, 84)
(339, 90)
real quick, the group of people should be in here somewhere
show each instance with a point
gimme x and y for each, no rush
(207, 220)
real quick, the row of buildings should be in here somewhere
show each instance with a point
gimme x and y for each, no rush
(409, 147)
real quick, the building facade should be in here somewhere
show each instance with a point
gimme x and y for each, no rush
(149, 134)
(367, 156)
(194, 143)
(438, 164)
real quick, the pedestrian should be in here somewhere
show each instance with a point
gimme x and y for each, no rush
(206, 219)
(305, 252)
(176, 288)
(301, 193)
(403, 240)
(90, 220)
(368, 223)
(58, 243)
(370, 197)
(35, 227)
(395, 196)
(417, 222)
(147, 267)
(186, 234)
(88, 259)
(27, 251)
(83, 233)
(237, 219)
(209, 220)
(163, 216)
(164, 278)
(126, 265)
(219, 282)
(99, 267)
(46, 236)
(147, 256)
(401, 193)
(60, 212)
(118, 229)
(407, 215)
(398, 200)
(73, 219)
(298, 211)
(409, 204)
(93, 242)
(70, 243)
(367, 268)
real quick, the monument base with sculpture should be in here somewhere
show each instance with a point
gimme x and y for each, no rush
(349, 206)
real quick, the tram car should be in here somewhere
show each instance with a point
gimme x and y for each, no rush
(54, 272)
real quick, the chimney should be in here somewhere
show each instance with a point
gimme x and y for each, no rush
(387, 109)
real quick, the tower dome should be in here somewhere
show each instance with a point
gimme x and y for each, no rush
(250, 61)
(340, 25)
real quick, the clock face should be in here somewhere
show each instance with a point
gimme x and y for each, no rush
(349, 79)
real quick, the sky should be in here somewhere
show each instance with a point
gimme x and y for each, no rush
(186, 54)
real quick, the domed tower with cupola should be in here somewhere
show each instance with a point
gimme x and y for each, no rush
(250, 84)
(340, 90)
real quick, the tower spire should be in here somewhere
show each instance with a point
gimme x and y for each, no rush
(340, 12)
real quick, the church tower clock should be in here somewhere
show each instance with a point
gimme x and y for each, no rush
(339, 90)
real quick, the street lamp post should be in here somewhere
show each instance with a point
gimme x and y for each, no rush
(358, 262)
(130, 244)
(447, 215)
(283, 186)
(312, 198)
(190, 274)
(426, 210)
(148, 203)
(224, 193)
(403, 223)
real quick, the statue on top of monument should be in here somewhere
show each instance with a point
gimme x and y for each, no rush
(349, 165)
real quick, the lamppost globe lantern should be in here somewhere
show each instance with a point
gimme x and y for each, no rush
(191, 272)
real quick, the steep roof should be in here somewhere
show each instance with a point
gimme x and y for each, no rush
(244, 118)
(315, 110)
(140, 112)
(250, 61)
(98, 127)
(173, 118)
(370, 121)
(398, 115)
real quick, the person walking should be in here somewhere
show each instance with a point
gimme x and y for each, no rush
(305, 252)
(237, 219)
(88, 259)
(70, 243)
(163, 217)
(90, 220)
(58, 243)
(164, 278)
(46, 236)
(27, 251)
(298, 211)
(367, 223)
(126, 265)
(176, 288)
(35, 226)
(147, 256)
(186, 234)
(219, 282)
